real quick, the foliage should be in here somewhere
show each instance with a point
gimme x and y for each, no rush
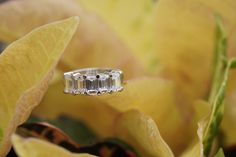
(166, 50)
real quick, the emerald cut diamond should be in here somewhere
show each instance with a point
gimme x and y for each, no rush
(103, 83)
(69, 83)
(91, 84)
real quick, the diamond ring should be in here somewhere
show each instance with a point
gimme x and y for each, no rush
(93, 81)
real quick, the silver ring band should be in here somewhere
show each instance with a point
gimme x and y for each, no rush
(93, 81)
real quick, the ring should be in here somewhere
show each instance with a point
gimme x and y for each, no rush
(93, 81)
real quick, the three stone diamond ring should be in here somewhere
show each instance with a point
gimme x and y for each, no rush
(93, 81)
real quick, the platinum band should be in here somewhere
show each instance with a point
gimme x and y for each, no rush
(93, 81)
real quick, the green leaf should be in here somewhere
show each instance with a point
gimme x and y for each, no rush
(233, 65)
(220, 53)
(220, 153)
(217, 96)
(208, 128)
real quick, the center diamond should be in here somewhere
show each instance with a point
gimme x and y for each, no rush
(91, 84)
(103, 83)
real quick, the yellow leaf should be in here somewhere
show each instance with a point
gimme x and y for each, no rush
(133, 21)
(32, 147)
(229, 122)
(193, 151)
(201, 109)
(189, 40)
(142, 133)
(26, 67)
(195, 148)
(20, 17)
(1, 134)
(107, 121)
(185, 40)
(95, 44)
(156, 98)
(184, 45)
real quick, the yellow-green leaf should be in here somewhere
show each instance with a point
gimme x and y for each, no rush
(26, 66)
(32, 147)
(220, 153)
(142, 133)
(209, 127)
(221, 48)
(217, 112)
(218, 91)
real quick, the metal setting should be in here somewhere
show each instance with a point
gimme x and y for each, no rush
(93, 81)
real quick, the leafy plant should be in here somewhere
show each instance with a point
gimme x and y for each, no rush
(165, 49)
